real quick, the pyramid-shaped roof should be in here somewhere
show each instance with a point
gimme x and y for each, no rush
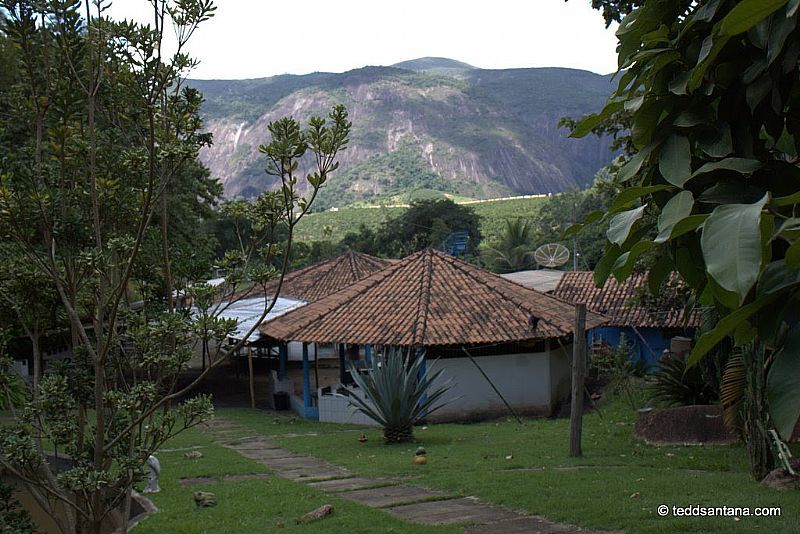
(311, 283)
(428, 299)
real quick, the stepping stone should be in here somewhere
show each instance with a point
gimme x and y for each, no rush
(466, 510)
(252, 476)
(523, 525)
(313, 475)
(198, 480)
(347, 484)
(288, 462)
(267, 454)
(391, 495)
(251, 442)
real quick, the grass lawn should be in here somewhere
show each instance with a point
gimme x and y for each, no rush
(617, 485)
(262, 505)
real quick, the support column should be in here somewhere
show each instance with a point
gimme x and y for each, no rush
(282, 359)
(368, 354)
(252, 379)
(306, 378)
(420, 352)
(342, 369)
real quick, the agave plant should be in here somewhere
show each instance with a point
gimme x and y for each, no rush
(396, 395)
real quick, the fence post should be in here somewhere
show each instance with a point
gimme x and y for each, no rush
(578, 372)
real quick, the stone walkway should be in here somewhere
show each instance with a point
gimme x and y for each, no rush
(411, 503)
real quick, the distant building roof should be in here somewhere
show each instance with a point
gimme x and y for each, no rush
(321, 279)
(614, 300)
(544, 280)
(429, 299)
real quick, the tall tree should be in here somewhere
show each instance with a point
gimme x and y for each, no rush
(99, 163)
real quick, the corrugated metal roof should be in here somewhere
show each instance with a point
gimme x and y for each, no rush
(248, 311)
(615, 301)
(429, 298)
(544, 280)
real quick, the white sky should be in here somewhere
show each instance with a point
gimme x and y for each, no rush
(256, 38)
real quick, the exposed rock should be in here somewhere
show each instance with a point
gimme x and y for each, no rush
(684, 425)
(480, 133)
(781, 480)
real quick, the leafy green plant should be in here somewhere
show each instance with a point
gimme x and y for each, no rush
(13, 519)
(673, 384)
(711, 90)
(618, 369)
(396, 394)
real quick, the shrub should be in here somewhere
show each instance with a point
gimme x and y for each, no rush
(397, 395)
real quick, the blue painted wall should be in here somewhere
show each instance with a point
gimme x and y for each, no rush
(657, 339)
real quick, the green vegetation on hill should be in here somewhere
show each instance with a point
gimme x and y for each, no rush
(492, 215)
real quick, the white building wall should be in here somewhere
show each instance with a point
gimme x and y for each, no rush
(525, 380)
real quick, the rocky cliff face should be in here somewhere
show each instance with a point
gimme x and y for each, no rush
(472, 132)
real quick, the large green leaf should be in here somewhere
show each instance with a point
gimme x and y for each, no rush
(625, 263)
(633, 165)
(726, 326)
(678, 208)
(731, 244)
(740, 165)
(793, 256)
(620, 226)
(783, 385)
(747, 14)
(627, 197)
(675, 160)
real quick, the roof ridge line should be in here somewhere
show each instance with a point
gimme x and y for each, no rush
(423, 305)
(494, 287)
(378, 279)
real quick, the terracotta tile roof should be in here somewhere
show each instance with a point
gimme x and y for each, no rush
(613, 301)
(311, 283)
(426, 299)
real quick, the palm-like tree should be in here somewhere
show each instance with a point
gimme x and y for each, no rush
(514, 250)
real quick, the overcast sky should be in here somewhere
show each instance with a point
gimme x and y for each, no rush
(256, 38)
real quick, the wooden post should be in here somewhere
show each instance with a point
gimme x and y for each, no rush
(306, 378)
(316, 368)
(250, 370)
(578, 372)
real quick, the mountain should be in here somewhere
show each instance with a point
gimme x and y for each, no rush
(425, 124)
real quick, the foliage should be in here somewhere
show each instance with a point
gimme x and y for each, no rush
(13, 519)
(397, 393)
(102, 197)
(425, 223)
(673, 384)
(711, 89)
(513, 251)
(492, 217)
(618, 369)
